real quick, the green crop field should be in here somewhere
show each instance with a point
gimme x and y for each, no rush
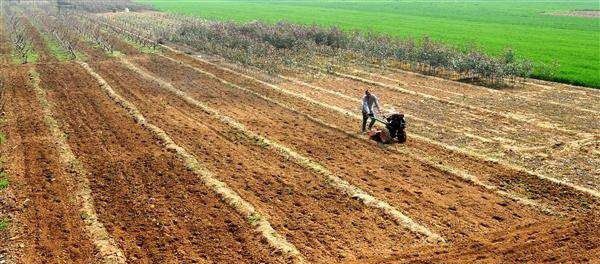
(527, 27)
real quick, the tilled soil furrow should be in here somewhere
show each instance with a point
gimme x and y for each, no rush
(570, 117)
(560, 90)
(155, 208)
(439, 114)
(450, 136)
(421, 158)
(247, 210)
(501, 174)
(424, 193)
(462, 137)
(325, 225)
(573, 98)
(569, 163)
(564, 159)
(337, 97)
(300, 159)
(109, 252)
(572, 241)
(479, 113)
(46, 220)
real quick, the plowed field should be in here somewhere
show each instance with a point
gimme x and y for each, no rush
(185, 158)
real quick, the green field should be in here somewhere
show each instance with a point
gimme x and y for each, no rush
(573, 42)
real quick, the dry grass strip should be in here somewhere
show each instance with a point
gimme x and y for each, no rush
(108, 249)
(433, 163)
(491, 91)
(334, 180)
(256, 219)
(356, 100)
(517, 117)
(424, 139)
(444, 146)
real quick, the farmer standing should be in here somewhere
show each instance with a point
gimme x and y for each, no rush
(370, 106)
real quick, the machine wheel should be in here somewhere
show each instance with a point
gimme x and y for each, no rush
(401, 136)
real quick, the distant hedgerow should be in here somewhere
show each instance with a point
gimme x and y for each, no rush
(270, 46)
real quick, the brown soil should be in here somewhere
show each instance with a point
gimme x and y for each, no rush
(158, 211)
(154, 208)
(575, 241)
(325, 225)
(555, 152)
(528, 185)
(544, 150)
(44, 220)
(436, 199)
(562, 111)
(510, 139)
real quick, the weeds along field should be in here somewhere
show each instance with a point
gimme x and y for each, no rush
(122, 144)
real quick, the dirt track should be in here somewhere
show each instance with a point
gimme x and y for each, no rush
(482, 187)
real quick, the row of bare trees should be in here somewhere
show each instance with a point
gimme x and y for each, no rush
(106, 6)
(51, 23)
(90, 30)
(17, 30)
(269, 45)
(141, 34)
